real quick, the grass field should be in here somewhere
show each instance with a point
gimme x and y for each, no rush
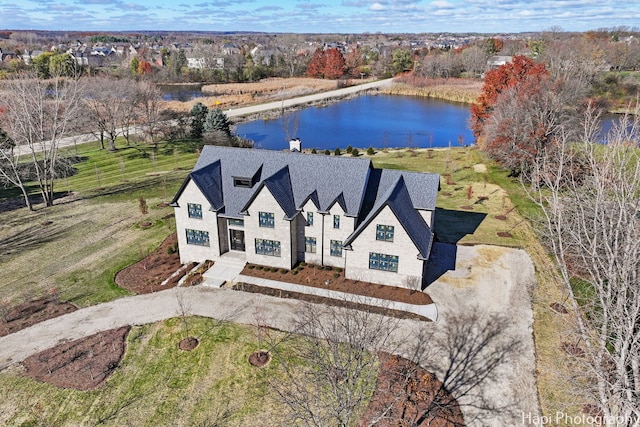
(159, 385)
(79, 244)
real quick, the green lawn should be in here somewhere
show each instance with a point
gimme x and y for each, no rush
(463, 215)
(159, 385)
(79, 244)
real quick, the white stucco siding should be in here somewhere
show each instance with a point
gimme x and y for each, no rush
(428, 217)
(208, 223)
(347, 226)
(281, 232)
(314, 231)
(409, 273)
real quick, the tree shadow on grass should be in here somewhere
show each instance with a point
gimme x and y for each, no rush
(451, 225)
(31, 238)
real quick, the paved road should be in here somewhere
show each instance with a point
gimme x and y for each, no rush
(239, 112)
(244, 111)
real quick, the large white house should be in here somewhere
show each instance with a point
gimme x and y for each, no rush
(278, 208)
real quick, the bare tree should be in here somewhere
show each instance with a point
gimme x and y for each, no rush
(109, 101)
(10, 168)
(148, 97)
(339, 348)
(40, 114)
(590, 205)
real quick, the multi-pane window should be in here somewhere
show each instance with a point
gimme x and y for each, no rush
(236, 222)
(335, 249)
(267, 247)
(336, 221)
(195, 210)
(310, 244)
(384, 232)
(309, 218)
(383, 262)
(197, 237)
(266, 219)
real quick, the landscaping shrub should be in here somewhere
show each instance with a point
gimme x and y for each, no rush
(251, 266)
(294, 272)
(349, 149)
(338, 269)
(313, 151)
(355, 152)
(370, 151)
(327, 152)
(336, 275)
(283, 270)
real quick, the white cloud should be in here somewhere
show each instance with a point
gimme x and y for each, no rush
(441, 4)
(377, 7)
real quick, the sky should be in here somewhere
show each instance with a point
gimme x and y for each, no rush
(320, 16)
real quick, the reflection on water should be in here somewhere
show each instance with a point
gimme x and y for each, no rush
(378, 121)
(182, 93)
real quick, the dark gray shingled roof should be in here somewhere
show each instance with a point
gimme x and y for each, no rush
(398, 199)
(422, 187)
(331, 178)
(279, 184)
(208, 179)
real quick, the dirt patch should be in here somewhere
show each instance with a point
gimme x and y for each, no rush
(81, 364)
(147, 275)
(333, 279)
(480, 168)
(410, 395)
(188, 344)
(259, 358)
(31, 312)
(559, 308)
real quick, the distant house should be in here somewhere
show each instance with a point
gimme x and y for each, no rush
(498, 61)
(278, 208)
(28, 55)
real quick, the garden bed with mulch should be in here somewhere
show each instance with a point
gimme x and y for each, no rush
(82, 364)
(332, 278)
(29, 313)
(147, 275)
(256, 289)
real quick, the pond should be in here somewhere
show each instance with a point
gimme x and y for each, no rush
(379, 121)
(182, 92)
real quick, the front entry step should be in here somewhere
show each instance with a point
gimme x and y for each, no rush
(223, 270)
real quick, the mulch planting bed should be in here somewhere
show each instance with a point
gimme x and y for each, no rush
(82, 364)
(247, 287)
(410, 395)
(146, 275)
(31, 312)
(330, 278)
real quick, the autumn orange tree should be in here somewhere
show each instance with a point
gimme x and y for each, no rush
(520, 111)
(326, 64)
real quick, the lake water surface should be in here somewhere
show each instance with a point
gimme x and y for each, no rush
(379, 121)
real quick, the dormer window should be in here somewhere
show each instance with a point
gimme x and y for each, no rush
(242, 182)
